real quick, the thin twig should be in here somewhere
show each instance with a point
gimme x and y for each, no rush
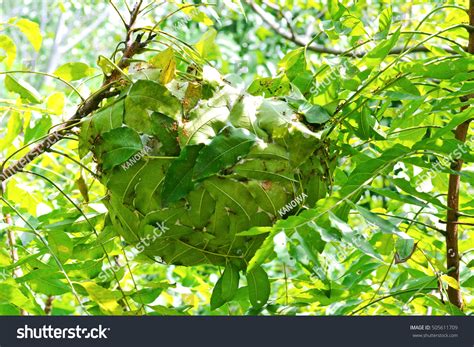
(133, 46)
(90, 224)
(120, 15)
(270, 21)
(455, 222)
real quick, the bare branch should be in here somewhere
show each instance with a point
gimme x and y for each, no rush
(119, 14)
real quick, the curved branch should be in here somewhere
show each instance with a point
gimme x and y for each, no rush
(46, 75)
(133, 46)
(269, 20)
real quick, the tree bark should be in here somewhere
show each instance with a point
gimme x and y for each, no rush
(452, 250)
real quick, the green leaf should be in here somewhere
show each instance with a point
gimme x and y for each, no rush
(163, 128)
(409, 189)
(385, 21)
(202, 207)
(273, 114)
(61, 244)
(235, 195)
(352, 237)
(455, 121)
(9, 47)
(207, 47)
(224, 150)
(379, 52)
(178, 180)
(244, 114)
(264, 251)
(370, 168)
(258, 287)
(444, 69)
(314, 114)
(147, 96)
(32, 32)
(74, 71)
(230, 282)
(255, 231)
(146, 295)
(160, 310)
(148, 184)
(311, 243)
(118, 145)
(108, 118)
(216, 297)
(452, 148)
(384, 225)
(46, 281)
(269, 86)
(469, 283)
(11, 294)
(274, 170)
(404, 247)
(294, 63)
(395, 195)
(105, 65)
(23, 88)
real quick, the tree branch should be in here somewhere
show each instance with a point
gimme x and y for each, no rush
(270, 21)
(452, 250)
(132, 47)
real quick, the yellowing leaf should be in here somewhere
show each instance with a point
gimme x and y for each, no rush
(192, 95)
(165, 61)
(168, 73)
(8, 46)
(32, 32)
(450, 281)
(201, 17)
(55, 103)
(106, 299)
